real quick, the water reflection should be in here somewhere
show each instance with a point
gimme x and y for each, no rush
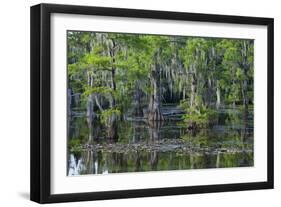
(168, 145)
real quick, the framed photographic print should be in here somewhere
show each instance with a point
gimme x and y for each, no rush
(132, 103)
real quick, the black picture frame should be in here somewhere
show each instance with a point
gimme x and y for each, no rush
(41, 96)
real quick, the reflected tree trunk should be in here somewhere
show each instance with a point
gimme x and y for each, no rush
(244, 128)
(218, 160)
(138, 162)
(191, 159)
(74, 165)
(89, 162)
(154, 160)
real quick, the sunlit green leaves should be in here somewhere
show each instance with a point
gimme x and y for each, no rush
(107, 114)
(97, 60)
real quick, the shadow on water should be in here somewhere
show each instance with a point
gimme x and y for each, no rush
(167, 145)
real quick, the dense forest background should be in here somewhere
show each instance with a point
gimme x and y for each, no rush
(113, 76)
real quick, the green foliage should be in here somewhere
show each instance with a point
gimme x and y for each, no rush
(75, 145)
(97, 62)
(106, 115)
(100, 90)
(201, 115)
(113, 66)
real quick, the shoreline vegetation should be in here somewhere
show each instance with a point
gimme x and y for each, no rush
(158, 95)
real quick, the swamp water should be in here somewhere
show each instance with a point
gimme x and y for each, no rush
(169, 145)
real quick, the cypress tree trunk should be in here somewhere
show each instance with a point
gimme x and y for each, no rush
(154, 113)
(154, 130)
(112, 128)
(218, 93)
(90, 116)
(69, 112)
(244, 82)
(244, 86)
(90, 109)
(69, 100)
(193, 87)
(137, 101)
(209, 93)
(245, 104)
(112, 122)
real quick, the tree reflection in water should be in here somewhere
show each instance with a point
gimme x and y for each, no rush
(166, 145)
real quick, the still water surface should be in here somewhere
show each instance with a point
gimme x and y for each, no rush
(163, 146)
